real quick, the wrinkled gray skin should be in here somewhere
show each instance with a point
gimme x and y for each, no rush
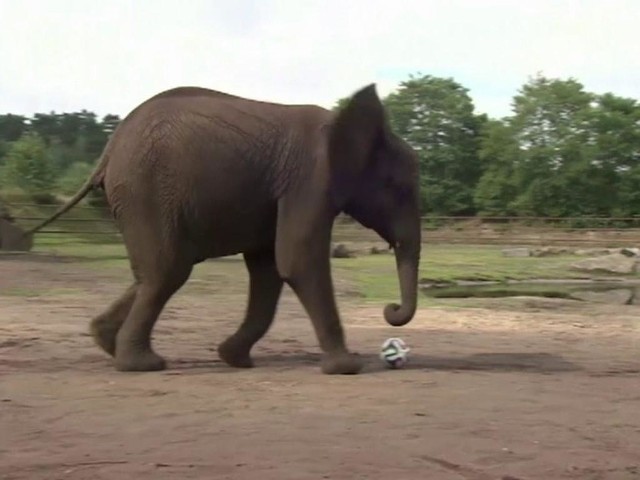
(192, 174)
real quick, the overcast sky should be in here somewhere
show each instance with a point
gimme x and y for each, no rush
(109, 55)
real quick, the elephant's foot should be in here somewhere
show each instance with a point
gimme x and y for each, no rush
(104, 334)
(343, 363)
(235, 353)
(139, 360)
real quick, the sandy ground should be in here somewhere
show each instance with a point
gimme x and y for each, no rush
(520, 389)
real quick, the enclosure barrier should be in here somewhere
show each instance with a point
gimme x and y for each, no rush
(94, 225)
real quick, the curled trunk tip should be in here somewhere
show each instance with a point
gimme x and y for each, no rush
(397, 315)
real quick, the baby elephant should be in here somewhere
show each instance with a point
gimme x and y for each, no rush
(192, 174)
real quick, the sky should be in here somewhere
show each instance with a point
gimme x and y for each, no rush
(107, 56)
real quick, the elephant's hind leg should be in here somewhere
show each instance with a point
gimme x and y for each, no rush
(105, 326)
(265, 286)
(133, 341)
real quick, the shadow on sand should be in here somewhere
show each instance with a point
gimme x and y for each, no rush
(544, 363)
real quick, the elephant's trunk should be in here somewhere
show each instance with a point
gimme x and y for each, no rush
(407, 261)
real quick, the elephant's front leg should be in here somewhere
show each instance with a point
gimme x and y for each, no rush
(265, 286)
(308, 271)
(314, 288)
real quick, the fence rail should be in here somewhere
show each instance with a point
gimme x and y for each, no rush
(517, 235)
(90, 223)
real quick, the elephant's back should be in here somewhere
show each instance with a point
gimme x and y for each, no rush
(195, 160)
(200, 99)
(201, 133)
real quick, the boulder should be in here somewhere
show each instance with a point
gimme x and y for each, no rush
(635, 299)
(592, 252)
(376, 250)
(4, 214)
(550, 251)
(612, 263)
(11, 238)
(342, 251)
(630, 252)
(516, 252)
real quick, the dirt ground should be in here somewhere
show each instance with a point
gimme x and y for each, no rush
(520, 389)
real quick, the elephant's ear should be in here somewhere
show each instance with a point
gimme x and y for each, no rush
(357, 130)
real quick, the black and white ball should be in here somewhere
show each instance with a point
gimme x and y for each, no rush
(394, 353)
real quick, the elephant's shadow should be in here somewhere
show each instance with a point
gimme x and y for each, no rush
(537, 362)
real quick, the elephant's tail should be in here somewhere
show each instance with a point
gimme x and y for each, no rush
(94, 180)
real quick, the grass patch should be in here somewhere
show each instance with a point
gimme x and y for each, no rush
(96, 255)
(377, 280)
(373, 275)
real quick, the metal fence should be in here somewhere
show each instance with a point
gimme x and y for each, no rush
(93, 224)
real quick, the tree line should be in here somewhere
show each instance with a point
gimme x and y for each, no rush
(50, 154)
(561, 152)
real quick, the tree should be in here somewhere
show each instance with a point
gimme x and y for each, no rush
(543, 160)
(46, 126)
(615, 121)
(340, 103)
(436, 117)
(28, 168)
(74, 177)
(12, 127)
(499, 151)
(109, 124)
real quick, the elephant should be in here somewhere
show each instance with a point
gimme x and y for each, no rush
(192, 174)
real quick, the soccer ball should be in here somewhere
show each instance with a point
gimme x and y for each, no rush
(394, 353)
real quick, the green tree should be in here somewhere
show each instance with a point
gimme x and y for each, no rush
(499, 152)
(4, 148)
(46, 126)
(543, 160)
(436, 117)
(75, 136)
(340, 103)
(63, 156)
(74, 177)
(109, 124)
(12, 127)
(615, 121)
(28, 168)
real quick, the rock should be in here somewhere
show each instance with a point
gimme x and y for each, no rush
(549, 251)
(635, 298)
(375, 250)
(11, 238)
(4, 214)
(341, 251)
(516, 252)
(350, 293)
(630, 252)
(592, 252)
(613, 263)
(620, 296)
